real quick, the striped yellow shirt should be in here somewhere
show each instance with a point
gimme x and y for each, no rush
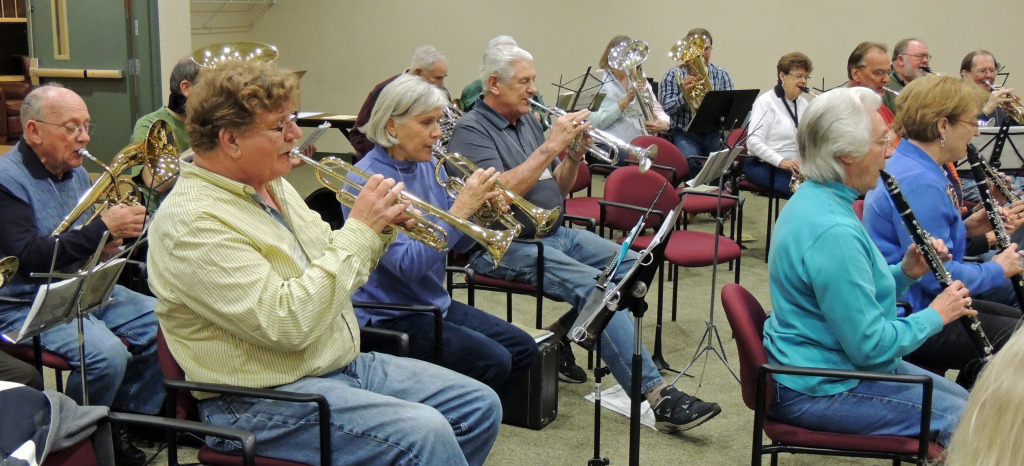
(234, 303)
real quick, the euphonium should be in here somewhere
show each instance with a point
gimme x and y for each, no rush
(644, 157)
(627, 57)
(214, 55)
(158, 151)
(543, 219)
(332, 170)
(8, 266)
(450, 115)
(690, 52)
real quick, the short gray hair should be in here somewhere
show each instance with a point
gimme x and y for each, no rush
(425, 57)
(408, 95)
(501, 40)
(836, 123)
(34, 106)
(498, 62)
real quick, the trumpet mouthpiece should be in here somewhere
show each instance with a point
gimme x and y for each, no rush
(84, 153)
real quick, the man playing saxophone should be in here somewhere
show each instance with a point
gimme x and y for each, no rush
(696, 146)
(41, 181)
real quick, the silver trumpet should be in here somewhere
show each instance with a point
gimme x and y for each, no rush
(644, 157)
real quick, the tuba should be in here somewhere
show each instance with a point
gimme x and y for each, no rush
(214, 55)
(158, 151)
(8, 266)
(690, 52)
(544, 220)
(627, 57)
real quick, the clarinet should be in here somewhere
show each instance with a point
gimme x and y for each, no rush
(993, 175)
(923, 240)
(992, 210)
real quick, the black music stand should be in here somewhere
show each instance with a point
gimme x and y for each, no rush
(722, 110)
(629, 293)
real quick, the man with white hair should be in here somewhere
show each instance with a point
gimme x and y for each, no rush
(910, 59)
(428, 63)
(494, 134)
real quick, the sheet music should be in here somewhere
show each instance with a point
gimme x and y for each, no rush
(714, 167)
(52, 305)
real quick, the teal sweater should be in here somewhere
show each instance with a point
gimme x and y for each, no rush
(834, 295)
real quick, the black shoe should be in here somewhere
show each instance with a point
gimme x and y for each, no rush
(679, 411)
(125, 451)
(568, 371)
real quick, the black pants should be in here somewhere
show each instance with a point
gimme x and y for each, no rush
(14, 370)
(952, 347)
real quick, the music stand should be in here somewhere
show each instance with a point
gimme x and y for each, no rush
(629, 293)
(722, 109)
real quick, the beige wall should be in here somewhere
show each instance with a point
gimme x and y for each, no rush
(174, 18)
(347, 46)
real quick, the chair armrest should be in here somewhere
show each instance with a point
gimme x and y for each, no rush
(604, 204)
(438, 320)
(709, 194)
(384, 341)
(591, 222)
(246, 438)
(323, 408)
(909, 308)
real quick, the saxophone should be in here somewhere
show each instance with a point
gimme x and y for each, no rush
(689, 51)
(923, 240)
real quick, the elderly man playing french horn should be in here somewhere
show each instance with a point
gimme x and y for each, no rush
(41, 181)
(494, 135)
(254, 289)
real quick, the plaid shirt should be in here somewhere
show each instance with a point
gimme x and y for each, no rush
(674, 103)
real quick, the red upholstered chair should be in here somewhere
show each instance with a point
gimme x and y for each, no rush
(627, 195)
(583, 209)
(46, 359)
(747, 318)
(858, 208)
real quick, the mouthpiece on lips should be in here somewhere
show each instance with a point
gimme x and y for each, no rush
(926, 68)
(805, 89)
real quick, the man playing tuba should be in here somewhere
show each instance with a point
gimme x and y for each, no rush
(679, 81)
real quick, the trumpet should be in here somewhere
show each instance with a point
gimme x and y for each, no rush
(8, 266)
(333, 173)
(644, 157)
(1014, 107)
(158, 151)
(543, 219)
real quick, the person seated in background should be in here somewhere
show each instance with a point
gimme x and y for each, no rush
(620, 114)
(774, 120)
(981, 67)
(494, 134)
(993, 423)
(404, 125)
(835, 307)
(695, 145)
(475, 89)
(910, 59)
(17, 371)
(868, 66)
(937, 122)
(254, 289)
(428, 63)
(41, 182)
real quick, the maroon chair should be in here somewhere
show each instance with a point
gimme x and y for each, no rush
(46, 359)
(747, 318)
(584, 209)
(627, 195)
(858, 208)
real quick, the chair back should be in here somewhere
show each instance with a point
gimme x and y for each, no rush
(668, 156)
(325, 202)
(186, 405)
(746, 318)
(737, 136)
(626, 185)
(583, 179)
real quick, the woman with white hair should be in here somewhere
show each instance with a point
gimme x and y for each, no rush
(404, 126)
(834, 295)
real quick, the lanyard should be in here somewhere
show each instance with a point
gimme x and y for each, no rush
(792, 113)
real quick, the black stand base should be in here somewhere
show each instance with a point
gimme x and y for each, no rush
(707, 346)
(599, 372)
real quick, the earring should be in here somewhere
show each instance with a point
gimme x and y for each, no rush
(942, 142)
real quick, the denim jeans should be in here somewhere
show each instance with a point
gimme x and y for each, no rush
(875, 408)
(572, 261)
(384, 410)
(760, 173)
(476, 344)
(696, 147)
(123, 378)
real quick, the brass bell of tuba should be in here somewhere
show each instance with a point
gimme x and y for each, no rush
(690, 52)
(8, 266)
(214, 55)
(158, 151)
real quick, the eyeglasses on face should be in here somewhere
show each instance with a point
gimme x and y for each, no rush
(919, 56)
(73, 130)
(798, 76)
(972, 124)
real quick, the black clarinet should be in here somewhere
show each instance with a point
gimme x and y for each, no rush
(992, 210)
(923, 240)
(993, 175)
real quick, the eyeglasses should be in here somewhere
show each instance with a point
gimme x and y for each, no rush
(884, 141)
(286, 122)
(972, 124)
(800, 76)
(919, 56)
(984, 72)
(71, 129)
(878, 74)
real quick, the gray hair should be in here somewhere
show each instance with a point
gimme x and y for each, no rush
(835, 123)
(34, 106)
(425, 57)
(408, 95)
(501, 40)
(498, 62)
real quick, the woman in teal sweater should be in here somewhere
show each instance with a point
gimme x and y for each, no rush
(834, 295)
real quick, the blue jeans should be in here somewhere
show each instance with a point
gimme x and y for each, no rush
(760, 173)
(875, 408)
(476, 344)
(572, 261)
(384, 410)
(696, 147)
(123, 378)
